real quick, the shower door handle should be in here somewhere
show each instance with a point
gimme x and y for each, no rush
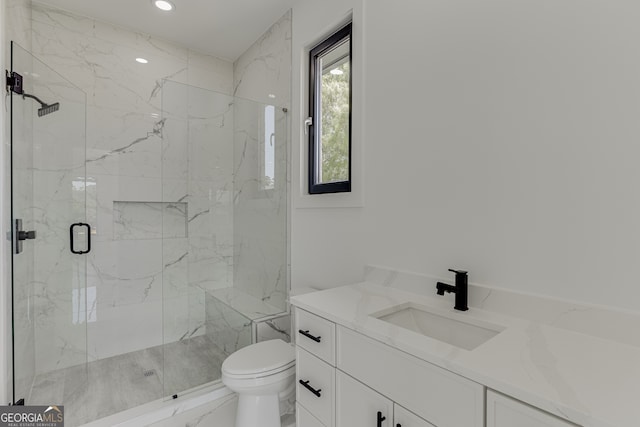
(71, 229)
(22, 235)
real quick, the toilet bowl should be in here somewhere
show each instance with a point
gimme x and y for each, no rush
(261, 374)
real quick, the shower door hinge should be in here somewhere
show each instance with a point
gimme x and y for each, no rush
(14, 82)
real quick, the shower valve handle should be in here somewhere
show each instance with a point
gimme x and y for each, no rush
(26, 235)
(21, 235)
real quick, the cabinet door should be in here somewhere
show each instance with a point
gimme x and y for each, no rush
(305, 419)
(315, 385)
(404, 418)
(359, 406)
(502, 411)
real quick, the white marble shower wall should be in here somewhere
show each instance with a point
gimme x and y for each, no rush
(198, 161)
(18, 29)
(262, 74)
(129, 181)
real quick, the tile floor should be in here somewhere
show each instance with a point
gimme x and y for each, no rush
(104, 387)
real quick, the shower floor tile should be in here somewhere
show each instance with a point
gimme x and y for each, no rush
(107, 386)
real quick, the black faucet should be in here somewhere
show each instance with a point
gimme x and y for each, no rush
(461, 289)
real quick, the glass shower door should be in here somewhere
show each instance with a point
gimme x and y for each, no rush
(51, 302)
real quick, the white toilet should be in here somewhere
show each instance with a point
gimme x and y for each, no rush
(261, 374)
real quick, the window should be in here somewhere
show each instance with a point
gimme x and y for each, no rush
(329, 122)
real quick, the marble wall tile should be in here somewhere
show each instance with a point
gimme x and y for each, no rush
(228, 329)
(58, 200)
(18, 29)
(263, 72)
(97, 56)
(103, 190)
(210, 73)
(18, 19)
(277, 328)
(65, 341)
(135, 154)
(125, 328)
(149, 220)
(260, 211)
(126, 272)
(251, 307)
(260, 269)
(210, 262)
(123, 143)
(175, 270)
(184, 316)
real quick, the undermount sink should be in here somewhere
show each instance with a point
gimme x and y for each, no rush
(466, 334)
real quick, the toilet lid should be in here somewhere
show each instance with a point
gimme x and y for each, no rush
(261, 359)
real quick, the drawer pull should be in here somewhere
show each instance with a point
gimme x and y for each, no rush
(308, 335)
(380, 419)
(311, 389)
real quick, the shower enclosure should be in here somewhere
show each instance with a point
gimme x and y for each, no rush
(134, 287)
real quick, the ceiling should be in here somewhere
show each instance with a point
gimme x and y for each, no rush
(223, 28)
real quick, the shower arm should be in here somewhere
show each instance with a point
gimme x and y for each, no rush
(26, 95)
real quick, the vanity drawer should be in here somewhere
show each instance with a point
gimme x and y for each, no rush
(316, 335)
(318, 396)
(435, 394)
(305, 419)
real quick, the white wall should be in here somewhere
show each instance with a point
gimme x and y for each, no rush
(326, 238)
(501, 137)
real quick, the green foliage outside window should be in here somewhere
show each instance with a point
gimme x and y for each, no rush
(335, 125)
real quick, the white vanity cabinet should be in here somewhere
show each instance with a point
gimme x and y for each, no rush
(503, 411)
(359, 406)
(331, 397)
(315, 370)
(434, 394)
(346, 379)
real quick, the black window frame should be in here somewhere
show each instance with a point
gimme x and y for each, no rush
(326, 45)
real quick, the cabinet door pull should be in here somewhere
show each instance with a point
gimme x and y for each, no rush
(308, 335)
(311, 389)
(380, 419)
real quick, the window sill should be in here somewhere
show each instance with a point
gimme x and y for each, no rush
(328, 200)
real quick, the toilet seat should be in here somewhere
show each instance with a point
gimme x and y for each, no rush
(260, 360)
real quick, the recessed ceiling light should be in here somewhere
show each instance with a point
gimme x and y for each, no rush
(336, 72)
(142, 60)
(272, 96)
(164, 5)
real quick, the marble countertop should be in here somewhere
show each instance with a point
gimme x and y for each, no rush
(585, 379)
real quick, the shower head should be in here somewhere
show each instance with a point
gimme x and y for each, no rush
(44, 107)
(14, 83)
(47, 109)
